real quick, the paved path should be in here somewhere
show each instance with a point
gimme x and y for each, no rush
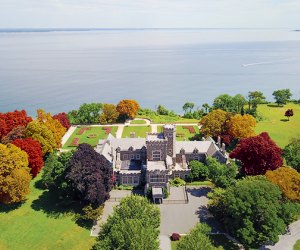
(120, 131)
(287, 241)
(164, 242)
(67, 135)
(153, 128)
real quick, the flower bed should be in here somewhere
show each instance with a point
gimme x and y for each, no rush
(92, 136)
(74, 143)
(82, 130)
(107, 130)
(191, 129)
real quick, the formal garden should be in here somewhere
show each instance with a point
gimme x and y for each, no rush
(89, 134)
(140, 131)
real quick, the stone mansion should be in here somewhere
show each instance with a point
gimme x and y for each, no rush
(157, 158)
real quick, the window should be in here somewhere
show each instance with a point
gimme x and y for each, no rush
(129, 180)
(156, 155)
(176, 175)
(138, 156)
(170, 134)
(131, 156)
(157, 178)
(196, 157)
(125, 157)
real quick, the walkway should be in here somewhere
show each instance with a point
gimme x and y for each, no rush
(67, 135)
(164, 242)
(287, 241)
(120, 131)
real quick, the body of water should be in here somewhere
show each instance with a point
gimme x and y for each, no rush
(59, 70)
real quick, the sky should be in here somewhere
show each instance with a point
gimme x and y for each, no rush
(150, 14)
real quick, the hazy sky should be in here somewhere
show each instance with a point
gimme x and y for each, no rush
(151, 13)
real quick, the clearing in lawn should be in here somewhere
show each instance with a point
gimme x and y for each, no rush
(41, 223)
(140, 131)
(277, 125)
(90, 135)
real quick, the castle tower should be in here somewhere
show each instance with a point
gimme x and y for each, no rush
(169, 132)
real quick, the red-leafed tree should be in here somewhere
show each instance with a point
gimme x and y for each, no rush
(18, 132)
(289, 113)
(10, 120)
(34, 151)
(258, 154)
(63, 119)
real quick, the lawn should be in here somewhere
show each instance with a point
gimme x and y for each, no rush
(37, 224)
(218, 240)
(95, 133)
(297, 245)
(138, 122)
(200, 183)
(140, 131)
(276, 124)
(183, 134)
(155, 118)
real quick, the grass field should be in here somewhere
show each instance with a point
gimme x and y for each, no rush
(275, 123)
(200, 183)
(97, 131)
(138, 122)
(140, 131)
(36, 224)
(297, 245)
(167, 119)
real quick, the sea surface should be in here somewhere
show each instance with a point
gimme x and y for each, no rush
(60, 69)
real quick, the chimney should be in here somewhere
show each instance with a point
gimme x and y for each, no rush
(219, 141)
(223, 147)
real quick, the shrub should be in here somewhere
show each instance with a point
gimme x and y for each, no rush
(177, 182)
(175, 237)
(166, 193)
(90, 213)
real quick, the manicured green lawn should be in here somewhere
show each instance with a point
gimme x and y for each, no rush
(138, 122)
(84, 138)
(36, 224)
(275, 123)
(140, 131)
(200, 183)
(297, 245)
(183, 134)
(167, 119)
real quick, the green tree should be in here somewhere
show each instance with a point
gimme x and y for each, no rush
(282, 96)
(252, 211)
(199, 171)
(255, 98)
(206, 107)
(86, 114)
(197, 239)
(134, 225)
(161, 110)
(292, 153)
(188, 105)
(239, 102)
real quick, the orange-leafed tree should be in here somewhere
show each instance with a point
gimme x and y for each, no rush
(241, 126)
(34, 152)
(53, 125)
(40, 132)
(18, 132)
(63, 119)
(128, 108)
(288, 180)
(14, 174)
(10, 120)
(215, 123)
(109, 114)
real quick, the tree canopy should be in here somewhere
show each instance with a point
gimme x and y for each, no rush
(10, 120)
(133, 225)
(281, 96)
(128, 108)
(63, 119)
(258, 154)
(14, 174)
(288, 180)
(188, 106)
(241, 126)
(90, 175)
(34, 152)
(109, 114)
(86, 114)
(229, 103)
(252, 211)
(255, 98)
(40, 132)
(18, 132)
(292, 154)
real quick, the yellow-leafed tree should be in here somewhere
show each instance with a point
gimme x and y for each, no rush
(40, 132)
(14, 174)
(288, 180)
(128, 108)
(241, 126)
(214, 123)
(53, 125)
(109, 114)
